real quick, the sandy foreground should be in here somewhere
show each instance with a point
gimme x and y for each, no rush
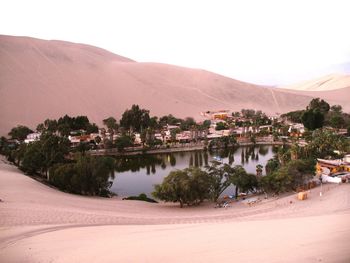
(41, 224)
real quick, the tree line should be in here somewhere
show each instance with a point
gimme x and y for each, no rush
(51, 158)
(318, 114)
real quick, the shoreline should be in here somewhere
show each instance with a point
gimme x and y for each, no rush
(115, 152)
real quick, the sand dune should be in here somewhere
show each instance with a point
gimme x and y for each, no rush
(42, 79)
(325, 83)
(41, 224)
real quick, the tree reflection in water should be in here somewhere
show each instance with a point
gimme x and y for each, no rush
(195, 158)
(135, 163)
(138, 174)
(263, 150)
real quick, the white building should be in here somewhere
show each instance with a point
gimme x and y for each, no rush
(32, 137)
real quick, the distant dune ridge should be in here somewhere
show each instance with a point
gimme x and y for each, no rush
(325, 83)
(42, 79)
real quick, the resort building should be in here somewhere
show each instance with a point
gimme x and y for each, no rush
(32, 137)
(296, 129)
(216, 115)
(334, 167)
(76, 140)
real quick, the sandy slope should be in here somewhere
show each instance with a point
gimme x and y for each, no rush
(42, 79)
(40, 224)
(329, 82)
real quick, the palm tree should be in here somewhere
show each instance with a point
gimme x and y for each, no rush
(112, 126)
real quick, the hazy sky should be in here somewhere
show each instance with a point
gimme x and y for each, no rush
(268, 42)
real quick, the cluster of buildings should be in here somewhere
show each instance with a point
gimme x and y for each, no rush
(231, 124)
(334, 171)
(171, 133)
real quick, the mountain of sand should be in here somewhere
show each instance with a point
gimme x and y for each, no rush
(42, 79)
(325, 83)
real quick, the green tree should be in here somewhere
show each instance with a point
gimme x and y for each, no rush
(48, 125)
(135, 119)
(221, 177)
(83, 147)
(337, 109)
(318, 104)
(271, 165)
(88, 175)
(173, 133)
(288, 177)
(206, 124)
(3, 145)
(301, 171)
(40, 155)
(153, 123)
(326, 143)
(244, 182)
(111, 123)
(54, 149)
(313, 119)
(248, 113)
(20, 132)
(188, 186)
(294, 116)
(170, 120)
(112, 126)
(337, 121)
(92, 128)
(18, 153)
(187, 124)
(123, 142)
(67, 124)
(33, 159)
(221, 126)
(283, 155)
(336, 118)
(277, 182)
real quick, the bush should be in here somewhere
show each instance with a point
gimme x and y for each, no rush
(189, 186)
(141, 197)
(88, 176)
(123, 142)
(288, 177)
(221, 126)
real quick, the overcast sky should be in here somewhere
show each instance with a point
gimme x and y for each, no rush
(266, 42)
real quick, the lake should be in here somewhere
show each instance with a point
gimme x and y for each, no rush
(138, 174)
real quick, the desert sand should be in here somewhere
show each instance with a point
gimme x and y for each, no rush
(42, 79)
(325, 83)
(40, 224)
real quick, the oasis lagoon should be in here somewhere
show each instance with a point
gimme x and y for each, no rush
(138, 174)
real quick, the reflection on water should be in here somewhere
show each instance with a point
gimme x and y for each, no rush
(138, 174)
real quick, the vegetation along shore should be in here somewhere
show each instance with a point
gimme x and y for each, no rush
(65, 152)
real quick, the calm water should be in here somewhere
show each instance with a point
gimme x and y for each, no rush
(139, 174)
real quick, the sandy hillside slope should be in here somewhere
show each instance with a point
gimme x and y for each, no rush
(41, 224)
(42, 79)
(325, 83)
